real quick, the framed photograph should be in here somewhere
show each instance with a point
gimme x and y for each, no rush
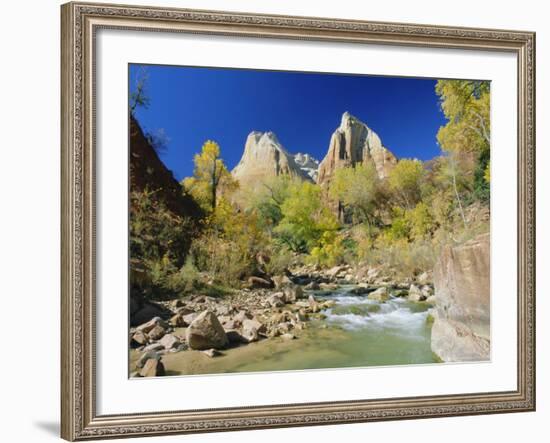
(277, 221)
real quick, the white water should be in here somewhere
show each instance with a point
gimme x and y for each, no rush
(395, 316)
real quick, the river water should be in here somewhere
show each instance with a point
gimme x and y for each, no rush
(356, 332)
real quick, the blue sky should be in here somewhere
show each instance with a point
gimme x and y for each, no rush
(193, 105)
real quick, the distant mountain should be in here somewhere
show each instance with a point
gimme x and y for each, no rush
(307, 164)
(263, 157)
(353, 142)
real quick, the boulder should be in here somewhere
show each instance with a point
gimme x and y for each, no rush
(328, 286)
(152, 368)
(284, 327)
(276, 300)
(184, 310)
(427, 291)
(147, 356)
(424, 278)
(313, 286)
(360, 290)
(288, 336)
(313, 304)
(461, 328)
(241, 316)
(415, 294)
(259, 282)
(280, 281)
(153, 347)
(432, 299)
(400, 292)
(251, 330)
(157, 332)
(293, 293)
(169, 341)
(188, 318)
(380, 294)
(229, 324)
(206, 332)
(139, 338)
(177, 321)
(147, 327)
(223, 310)
(335, 271)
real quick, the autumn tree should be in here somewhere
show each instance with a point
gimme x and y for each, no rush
(210, 177)
(305, 218)
(268, 198)
(467, 134)
(405, 181)
(357, 190)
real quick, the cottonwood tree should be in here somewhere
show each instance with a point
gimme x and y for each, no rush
(467, 133)
(356, 188)
(210, 177)
(405, 181)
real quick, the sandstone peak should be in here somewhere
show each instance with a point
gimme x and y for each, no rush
(349, 120)
(264, 156)
(353, 142)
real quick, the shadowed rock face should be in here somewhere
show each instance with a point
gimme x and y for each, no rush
(148, 171)
(353, 143)
(263, 157)
(461, 330)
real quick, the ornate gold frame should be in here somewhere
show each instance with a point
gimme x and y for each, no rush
(80, 21)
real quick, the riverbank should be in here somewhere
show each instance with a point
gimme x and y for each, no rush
(310, 319)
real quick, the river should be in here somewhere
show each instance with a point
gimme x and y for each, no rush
(356, 332)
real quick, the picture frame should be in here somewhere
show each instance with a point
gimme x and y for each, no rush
(80, 24)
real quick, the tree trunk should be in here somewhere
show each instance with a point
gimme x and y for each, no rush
(458, 199)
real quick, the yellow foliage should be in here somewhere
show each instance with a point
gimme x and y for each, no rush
(405, 181)
(487, 174)
(210, 177)
(466, 105)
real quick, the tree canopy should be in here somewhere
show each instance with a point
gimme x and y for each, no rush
(210, 177)
(357, 189)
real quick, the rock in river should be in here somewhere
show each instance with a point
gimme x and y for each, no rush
(381, 294)
(206, 332)
(415, 294)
